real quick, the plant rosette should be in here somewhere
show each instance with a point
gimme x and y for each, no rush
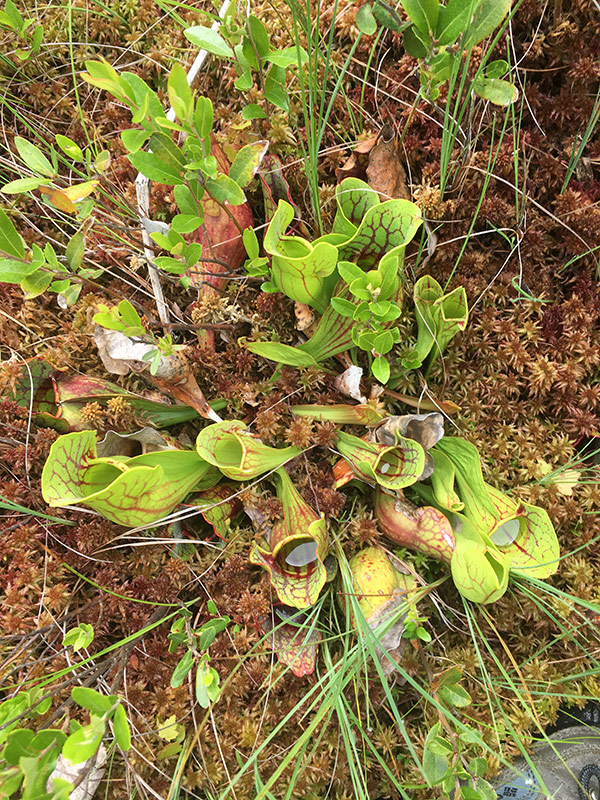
(392, 467)
(129, 491)
(237, 454)
(295, 550)
(517, 529)
(366, 252)
(364, 230)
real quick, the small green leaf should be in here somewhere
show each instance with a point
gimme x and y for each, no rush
(168, 264)
(247, 59)
(121, 728)
(385, 18)
(350, 272)
(259, 35)
(69, 147)
(413, 43)
(209, 40)
(60, 286)
(251, 244)
(84, 743)
(343, 307)
(91, 700)
(435, 765)
(18, 745)
(33, 157)
(204, 117)
(185, 200)
(180, 94)
(383, 342)
(225, 190)
(282, 353)
(23, 185)
(12, 18)
(155, 168)
(246, 162)
(487, 17)
(424, 14)
(186, 223)
(201, 690)
(381, 369)
(455, 695)
(245, 81)
(75, 250)
(496, 90)
(289, 56)
(102, 161)
(12, 271)
(496, 69)
(71, 294)
(253, 111)
(80, 636)
(35, 284)
(182, 669)
(130, 316)
(478, 767)
(10, 240)
(454, 19)
(133, 139)
(164, 148)
(365, 20)
(274, 90)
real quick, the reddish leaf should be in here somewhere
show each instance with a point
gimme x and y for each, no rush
(424, 529)
(296, 647)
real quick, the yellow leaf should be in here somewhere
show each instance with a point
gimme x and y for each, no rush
(80, 191)
(566, 480)
(170, 729)
(544, 467)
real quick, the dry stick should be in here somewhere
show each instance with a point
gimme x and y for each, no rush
(142, 191)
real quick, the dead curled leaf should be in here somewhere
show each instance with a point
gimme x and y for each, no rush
(391, 641)
(428, 403)
(377, 159)
(145, 440)
(348, 383)
(426, 429)
(305, 316)
(356, 164)
(120, 355)
(391, 645)
(385, 172)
